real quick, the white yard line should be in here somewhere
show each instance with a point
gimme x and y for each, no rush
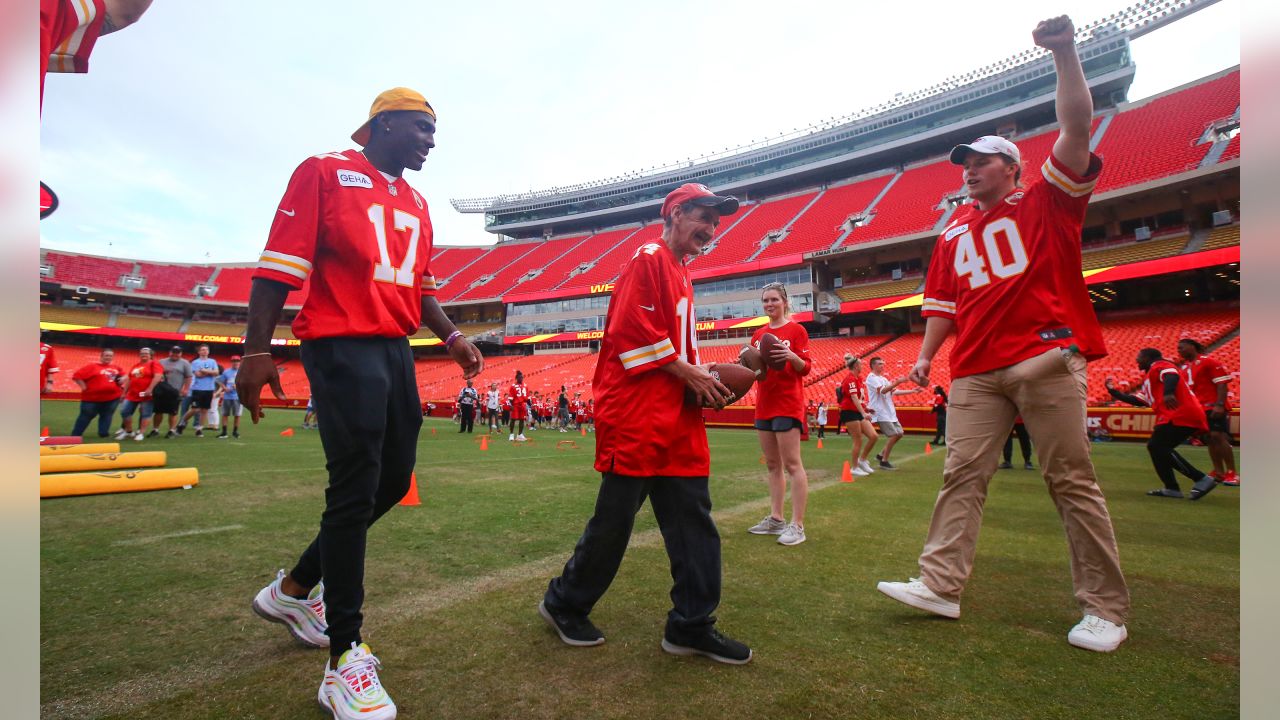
(185, 533)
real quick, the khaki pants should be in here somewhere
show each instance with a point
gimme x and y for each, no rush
(1049, 390)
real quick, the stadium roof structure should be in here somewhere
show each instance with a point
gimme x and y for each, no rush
(910, 126)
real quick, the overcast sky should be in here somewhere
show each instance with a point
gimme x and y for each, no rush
(179, 142)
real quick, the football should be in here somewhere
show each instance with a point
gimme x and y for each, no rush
(750, 358)
(737, 378)
(768, 342)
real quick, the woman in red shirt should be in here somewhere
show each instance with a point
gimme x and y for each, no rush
(99, 393)
(852, 394)
(780, 416)
(138, 384)
(940, 411)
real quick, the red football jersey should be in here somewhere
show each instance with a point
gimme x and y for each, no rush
(644, 427)
(68, 30)
(852, 386)
(140, 376)
(1189, 413)
(1010, 277)
(781, 392)
(364, 241)
(518, 396)
(100, 382)
(48, 363)
(1204, 374)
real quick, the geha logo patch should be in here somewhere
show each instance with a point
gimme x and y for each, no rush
(351, 178)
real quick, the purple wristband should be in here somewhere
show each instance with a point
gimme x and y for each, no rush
(453, 336)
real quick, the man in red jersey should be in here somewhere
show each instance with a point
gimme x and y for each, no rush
(69, 28)
(1005, 274)
(1179, 416)
(351, 224)
(651, 443)
(48, 366)
(1210, 381)
(518, 396)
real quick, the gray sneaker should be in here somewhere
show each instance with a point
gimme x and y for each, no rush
(768, 526)
(792, 534)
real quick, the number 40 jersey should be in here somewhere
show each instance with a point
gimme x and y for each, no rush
(364, 241)
(1010, 276)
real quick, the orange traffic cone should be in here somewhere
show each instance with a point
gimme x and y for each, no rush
(287, 432)
(484, 443)
(928, 449)
(583, 429)
(819, 443)
(762, 462)
(411, 498)
(44, 431)
(845, 475)
(433, 432)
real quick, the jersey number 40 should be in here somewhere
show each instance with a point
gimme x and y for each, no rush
(972, 262)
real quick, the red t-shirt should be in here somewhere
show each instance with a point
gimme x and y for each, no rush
(68, 30)
(1010, 277)
(1205, 374)
(644, 427)
(939, 404)
(781, 392)
(48, 364)
(100, 382)
(518, 396)
(140, 380)
(1189, 413)
(852, 386)
(365, 243)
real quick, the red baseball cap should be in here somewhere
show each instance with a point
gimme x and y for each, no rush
(699, 194)
(234, 358)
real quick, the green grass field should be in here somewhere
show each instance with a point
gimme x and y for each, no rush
(145, 597)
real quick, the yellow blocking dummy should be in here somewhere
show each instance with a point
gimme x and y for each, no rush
(117, 482)
(86, 449)
(101, 461)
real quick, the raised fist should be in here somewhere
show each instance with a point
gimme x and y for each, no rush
(1055, 33)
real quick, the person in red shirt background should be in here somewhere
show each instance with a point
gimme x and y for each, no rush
(780, 416)
(939, 411)
(48, 366)
(854, 415)
(518, 396)
(139, 383)
(1179, 416)
(1005, 275)
(1211, 381)
(100, 392)
(651, 443)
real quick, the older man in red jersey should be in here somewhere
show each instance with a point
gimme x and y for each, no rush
(651, 443)
(1005, 275)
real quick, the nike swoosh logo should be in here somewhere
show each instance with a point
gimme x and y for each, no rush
(647, 307)
(290, 213)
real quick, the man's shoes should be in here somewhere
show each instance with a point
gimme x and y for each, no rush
(770, 525)
(918, 595)
(1165, 492)
(1005, 466)
(235, 434)
(511, 437)
(1028, 466)
(154, 433)
(121, 434)
(1203, 486)
(138, 436)
(1231, 479)
(886, 465)
(222, 435)
(574, 630)
(866, 466)
(353, 691)
(199, 432)
(303, 618)
(879, 458)
(181, 427)
(792, 534)
(710, 644)
(1094, 633)
(521, 438)
(170, 434)
(858, 471)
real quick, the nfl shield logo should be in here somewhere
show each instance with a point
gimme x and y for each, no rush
(392, 189)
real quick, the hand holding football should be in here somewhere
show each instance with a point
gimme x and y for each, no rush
(736, 378)
(751, 359)
(768, 344)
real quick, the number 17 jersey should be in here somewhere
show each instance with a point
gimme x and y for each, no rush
(1010, 276)
(363, 241)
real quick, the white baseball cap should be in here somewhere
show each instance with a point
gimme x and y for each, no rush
(987, 145)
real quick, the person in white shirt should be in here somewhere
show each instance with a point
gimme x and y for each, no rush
(491, 405)
(880, 393)
(822, 420)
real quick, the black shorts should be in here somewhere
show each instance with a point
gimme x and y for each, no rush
(1222, 424)
(166, 399)
(848, 416)
(779, 424)
(202, 399)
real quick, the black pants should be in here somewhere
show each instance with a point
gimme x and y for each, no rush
(466, 417)
(1024, 444)
(940, 437)
(682, 506)
(104, 411)
(372, 417)
(1165, 458)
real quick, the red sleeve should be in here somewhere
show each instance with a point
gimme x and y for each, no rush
(425, 245)
(68, 30)
(85, 372)
(1065, 188)
(1218, 372)
(939, 284)
(291, 244)
(800, 346)
(51, 361)
(643, 315)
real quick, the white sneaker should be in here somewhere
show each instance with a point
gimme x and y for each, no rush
(918, 595)
(768, 526)
(521, 438)
(139, 437)
(865, 467)
(122, 434)
(859, 472)
(1097, 634)
(792, 534)
(303, 618)
(511, 437)
(353, 691)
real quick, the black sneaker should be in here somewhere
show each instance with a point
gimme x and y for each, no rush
(199, 432)
(170, 434)
(181, 427)
(713, 645)
(1203, 486)
(1005, 466)
(886, 465)
(222, 435)
(1165, 492)
(574, 630)
(1028, 466)
(235, 434)
(154, 433)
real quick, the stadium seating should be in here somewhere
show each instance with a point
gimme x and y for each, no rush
(1134, 252)
(175, 280)
(880, 289)
(446, 262)
(558, 270)
(564, 253)
(1232, 150)
(1125, 336)
(74, 315)
(820, 225)
(1162, 137)
(742, 240)
(607, 267)
(205, 327)
(143, 322)
(543, 252)
(1222, 237)
(94, 272)
(491, 262)
(912, 204)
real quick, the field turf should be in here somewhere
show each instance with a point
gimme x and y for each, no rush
(145, 597)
